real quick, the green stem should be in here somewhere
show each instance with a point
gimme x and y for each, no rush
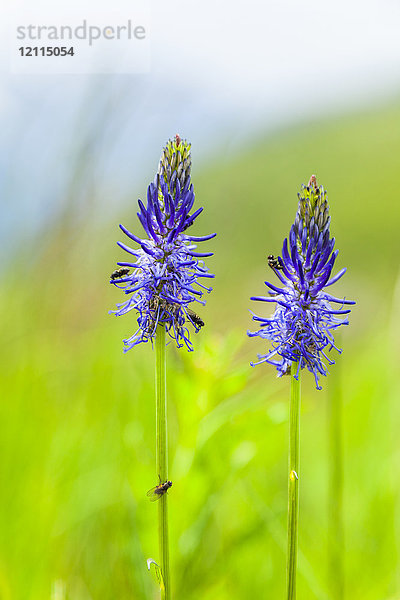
(293, 494)
(335, 548)
(162, 458)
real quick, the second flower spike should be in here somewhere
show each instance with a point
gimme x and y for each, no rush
(301, 327)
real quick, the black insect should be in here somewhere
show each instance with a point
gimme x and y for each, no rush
(119, 273)
(159, 490)
(274, 263)
(195, 318)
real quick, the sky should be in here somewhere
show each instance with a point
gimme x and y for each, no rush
(217, 71)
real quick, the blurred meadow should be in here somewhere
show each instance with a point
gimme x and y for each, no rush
(77, 416)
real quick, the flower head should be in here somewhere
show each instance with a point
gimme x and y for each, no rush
(167, 271)
(301, 327)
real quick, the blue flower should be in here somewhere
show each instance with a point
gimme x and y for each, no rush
(301, 327)
(167, 270)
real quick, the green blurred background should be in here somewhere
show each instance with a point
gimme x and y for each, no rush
(77, 416)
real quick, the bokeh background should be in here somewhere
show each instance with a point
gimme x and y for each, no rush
(268, 93)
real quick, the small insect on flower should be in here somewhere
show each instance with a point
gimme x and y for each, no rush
(273, 262)
(119, 273)
(195, 317)
(159, 490)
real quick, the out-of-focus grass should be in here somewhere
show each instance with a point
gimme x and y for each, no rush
(77, 416)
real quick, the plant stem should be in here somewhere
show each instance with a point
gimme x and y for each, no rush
(293, 493)
(162, 458)
(335, 548)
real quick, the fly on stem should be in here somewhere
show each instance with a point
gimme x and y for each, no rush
(300, 330)
(162, 277)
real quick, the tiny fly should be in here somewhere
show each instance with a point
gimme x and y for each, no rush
(159, 490)
(274, 263)
(119, 273)
(195, 318)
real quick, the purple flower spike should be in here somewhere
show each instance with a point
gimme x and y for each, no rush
(301, 328)
(164, 279)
